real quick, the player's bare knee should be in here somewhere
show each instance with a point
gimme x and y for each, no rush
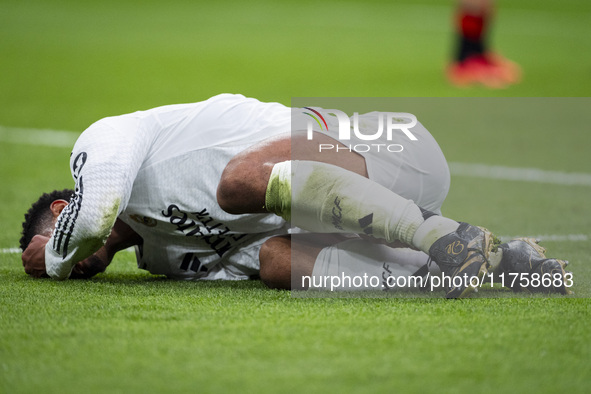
(275, 263)
(242, 186)
(228, 192)
(268, 271)
(244, 181)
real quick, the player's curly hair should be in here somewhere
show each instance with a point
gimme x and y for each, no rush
(39, 215)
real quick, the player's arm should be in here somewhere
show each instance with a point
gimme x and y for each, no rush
(104, 164)
(121, 237)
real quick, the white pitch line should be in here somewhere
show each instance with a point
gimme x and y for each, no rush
(66, 139)
(550, 237)
(42, 137)
(10, 250)
(536, 175)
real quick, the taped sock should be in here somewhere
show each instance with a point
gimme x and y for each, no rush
(431, 230)
(326, 198)
(278, 194)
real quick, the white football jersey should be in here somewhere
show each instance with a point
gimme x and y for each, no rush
(158, 170)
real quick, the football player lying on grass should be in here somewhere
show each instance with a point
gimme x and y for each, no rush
(213, 190)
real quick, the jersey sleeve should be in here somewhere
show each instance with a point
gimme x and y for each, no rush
(104, 164)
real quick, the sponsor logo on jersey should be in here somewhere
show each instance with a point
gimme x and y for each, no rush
(203, 226)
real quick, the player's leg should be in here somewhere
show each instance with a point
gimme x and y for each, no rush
(473, 61)
(320, 197)
(360, 264)
(277, 268)
(275, 262)
(243, 184)
(330, 262)
(330, 198)
(472, 28)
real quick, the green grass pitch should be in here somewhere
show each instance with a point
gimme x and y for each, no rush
(65, 64)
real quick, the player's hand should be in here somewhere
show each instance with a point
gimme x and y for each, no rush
(34, 257)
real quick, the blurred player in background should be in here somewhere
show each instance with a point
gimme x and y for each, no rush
(474, 62)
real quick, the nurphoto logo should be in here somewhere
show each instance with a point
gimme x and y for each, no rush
(371, 127)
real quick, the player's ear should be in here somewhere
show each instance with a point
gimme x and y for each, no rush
(57, 207)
